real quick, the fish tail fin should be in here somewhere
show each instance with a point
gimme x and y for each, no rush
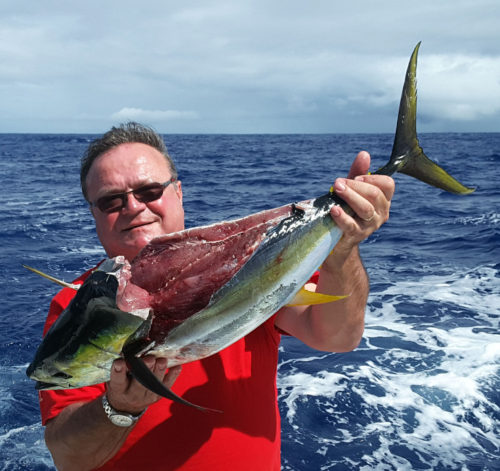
(53, 279)
(407, 156)
(145, 376)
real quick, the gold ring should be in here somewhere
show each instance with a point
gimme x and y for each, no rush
(369, 219)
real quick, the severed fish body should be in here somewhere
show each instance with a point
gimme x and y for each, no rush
(190, 294)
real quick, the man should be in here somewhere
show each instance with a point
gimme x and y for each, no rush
(119, 178)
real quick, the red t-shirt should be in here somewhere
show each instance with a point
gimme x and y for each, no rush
(240, 381)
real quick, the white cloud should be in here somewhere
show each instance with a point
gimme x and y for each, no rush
(248, 66)
(461, 87)
(139, 114)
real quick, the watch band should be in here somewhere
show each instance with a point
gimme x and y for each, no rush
(118, 418)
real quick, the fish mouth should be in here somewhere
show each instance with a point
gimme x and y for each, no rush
(43, 385)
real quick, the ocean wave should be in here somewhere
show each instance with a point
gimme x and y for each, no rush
(23, 448)
(418, 392)
(421, 391)
(488, 219)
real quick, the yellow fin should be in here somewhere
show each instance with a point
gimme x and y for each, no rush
(308, 298)
(51, 278)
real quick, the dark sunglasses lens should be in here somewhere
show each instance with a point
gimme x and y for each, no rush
(110, 204)
(149, 193)
(144, 194)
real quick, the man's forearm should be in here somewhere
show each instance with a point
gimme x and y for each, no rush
(339, 325)
(82, 438)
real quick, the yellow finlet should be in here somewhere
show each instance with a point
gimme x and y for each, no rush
(307, 298)
(51, 278)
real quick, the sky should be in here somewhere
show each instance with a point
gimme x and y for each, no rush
(241, 66)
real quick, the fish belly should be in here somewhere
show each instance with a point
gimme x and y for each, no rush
(265, 284)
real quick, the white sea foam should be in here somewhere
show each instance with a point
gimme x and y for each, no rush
(24, 448)
(323, 383)
(476, 289)
(490, 219)
(425, 389)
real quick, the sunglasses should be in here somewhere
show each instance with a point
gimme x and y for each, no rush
(144, 194)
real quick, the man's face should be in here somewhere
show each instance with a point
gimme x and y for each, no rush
(128, 167)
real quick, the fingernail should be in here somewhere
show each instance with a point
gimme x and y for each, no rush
(176, 371)
(340, 185)
(359, 178)
(335, 211)
(118, 368)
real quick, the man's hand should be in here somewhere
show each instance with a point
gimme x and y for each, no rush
(369, 196)
(338, 326)
(126, 394)
(81, 437)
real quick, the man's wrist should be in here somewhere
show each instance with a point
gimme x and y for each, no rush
(119, 418)
(341, 254)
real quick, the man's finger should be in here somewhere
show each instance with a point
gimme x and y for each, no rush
(358, 195)
(119, 378)
(361, 165)
(171, 376)
(160, 367)
(383, 182)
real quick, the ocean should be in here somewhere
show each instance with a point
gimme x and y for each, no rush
(422, 390)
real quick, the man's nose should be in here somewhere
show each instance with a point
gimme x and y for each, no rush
(132, 203)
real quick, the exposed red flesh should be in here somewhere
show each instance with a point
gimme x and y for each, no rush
(181, 271)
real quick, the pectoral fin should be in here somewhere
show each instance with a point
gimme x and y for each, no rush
(145, 376)
(307, 298)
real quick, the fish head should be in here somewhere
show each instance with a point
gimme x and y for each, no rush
(89, 335)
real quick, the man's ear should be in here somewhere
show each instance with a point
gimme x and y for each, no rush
(178, 189)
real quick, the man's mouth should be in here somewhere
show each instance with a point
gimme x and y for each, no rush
(137, 225)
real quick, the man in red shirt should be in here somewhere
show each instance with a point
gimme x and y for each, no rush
(121, 425)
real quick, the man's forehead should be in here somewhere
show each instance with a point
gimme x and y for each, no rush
(128, 164)
(134, 149)
(131, 155)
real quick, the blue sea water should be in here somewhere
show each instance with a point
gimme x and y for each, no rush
(422, 390)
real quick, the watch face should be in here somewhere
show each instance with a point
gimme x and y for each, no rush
(121, 420)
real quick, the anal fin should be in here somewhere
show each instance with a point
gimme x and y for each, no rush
(306, 298)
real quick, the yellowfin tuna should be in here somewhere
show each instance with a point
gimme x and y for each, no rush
(190, 294)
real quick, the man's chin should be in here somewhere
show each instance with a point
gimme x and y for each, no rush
(135, 243)
(134, 240)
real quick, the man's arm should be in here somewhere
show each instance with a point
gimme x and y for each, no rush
(82, 437)
(339, 326)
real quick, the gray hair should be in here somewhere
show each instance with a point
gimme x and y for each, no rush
(125, 133)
